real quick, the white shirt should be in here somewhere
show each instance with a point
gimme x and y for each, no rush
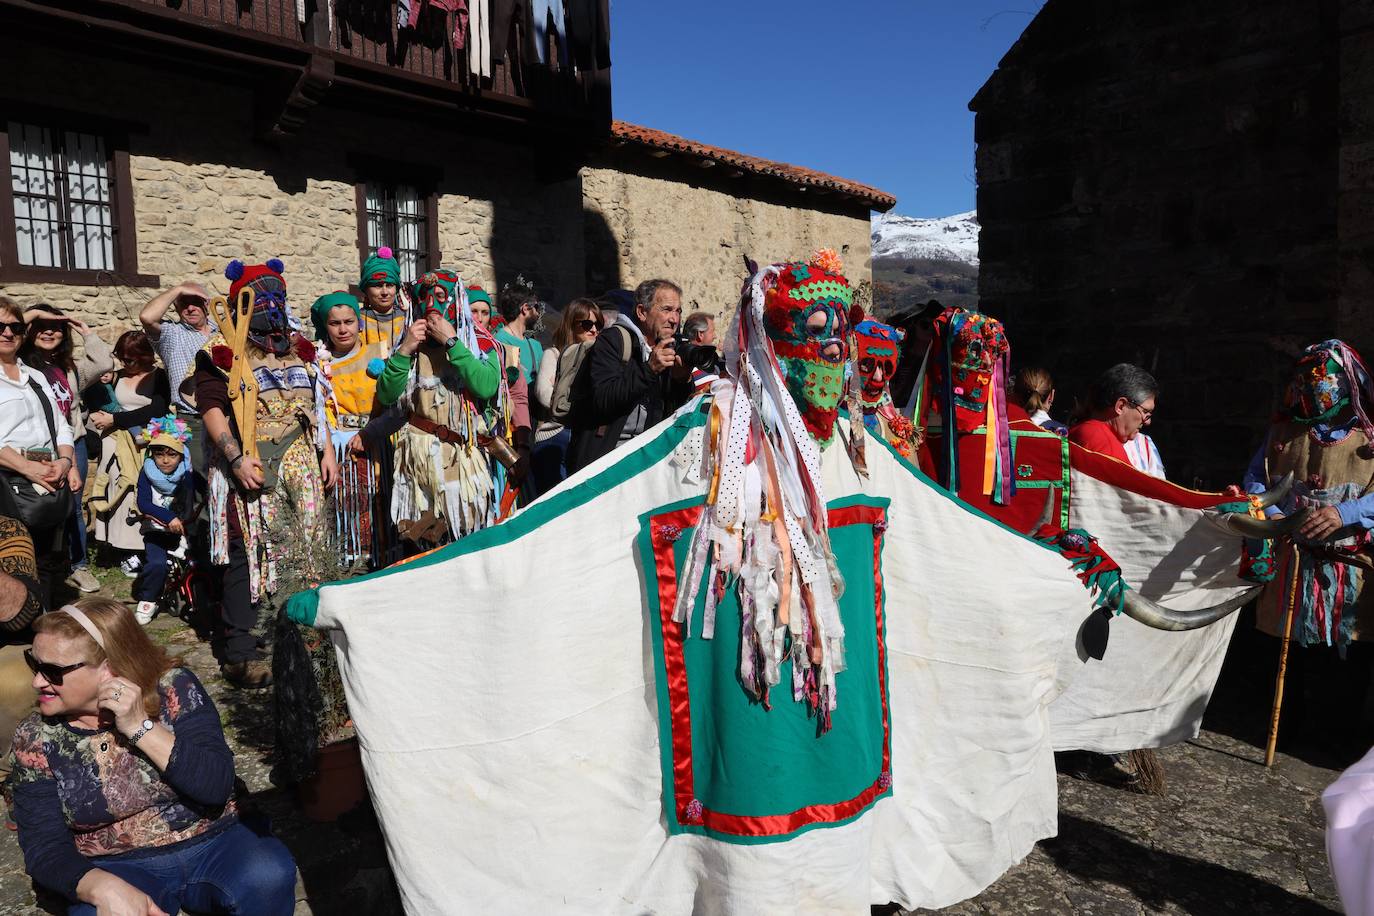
(1144, 456)
(22, 423)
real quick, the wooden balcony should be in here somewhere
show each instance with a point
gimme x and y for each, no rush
(360, 50)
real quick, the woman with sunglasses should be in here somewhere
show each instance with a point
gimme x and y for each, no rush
(576, 333)
(142, 392)
(32, 453)
(47, 347)
(123, 783)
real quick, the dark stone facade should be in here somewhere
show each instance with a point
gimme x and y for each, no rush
(1185, 186)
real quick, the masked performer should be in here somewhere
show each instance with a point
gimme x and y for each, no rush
(875, 361)
(453, 453)
(1323, 435)
(765, 512)
(360, 431)
(259, 505)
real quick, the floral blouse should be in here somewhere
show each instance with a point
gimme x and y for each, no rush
(80, 793)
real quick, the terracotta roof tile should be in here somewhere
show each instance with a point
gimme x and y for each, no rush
(792, 174)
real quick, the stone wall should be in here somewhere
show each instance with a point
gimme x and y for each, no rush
(205, 192)
(1158, 183)
(663, 222)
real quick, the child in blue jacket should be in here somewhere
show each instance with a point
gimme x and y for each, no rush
(167, 491)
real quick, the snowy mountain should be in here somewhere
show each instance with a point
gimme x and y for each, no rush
(947, 238)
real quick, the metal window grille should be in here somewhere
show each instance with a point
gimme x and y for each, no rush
(397, 217)
(63, 211)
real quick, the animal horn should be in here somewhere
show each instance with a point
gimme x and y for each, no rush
(1242, 524)
(1275, 494)
(1142, 609)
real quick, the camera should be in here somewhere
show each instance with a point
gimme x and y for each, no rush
(696, 356)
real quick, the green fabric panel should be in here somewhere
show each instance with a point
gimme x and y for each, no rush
(543, 510)
(754, 762)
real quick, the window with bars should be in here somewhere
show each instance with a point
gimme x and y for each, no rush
(63, 198)
(66, 214)
(398, 216)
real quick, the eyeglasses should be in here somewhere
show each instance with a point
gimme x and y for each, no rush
(587, 324)
(1147, 414)
(51, 673)
(14, 327)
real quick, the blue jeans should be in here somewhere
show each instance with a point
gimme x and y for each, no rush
(76, 539)
(152, 575)
(235, 871)
(547, 461)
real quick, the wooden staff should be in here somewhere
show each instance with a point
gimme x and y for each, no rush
(1295, 575)
(243, 385)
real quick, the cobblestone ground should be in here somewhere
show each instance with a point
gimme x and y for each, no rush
(1228, 836)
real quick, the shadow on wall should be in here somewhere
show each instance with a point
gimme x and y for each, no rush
(537, 232)
(601, 255)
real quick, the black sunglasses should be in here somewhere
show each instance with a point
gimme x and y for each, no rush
(14, 327)
(53, 674)
(586, 324)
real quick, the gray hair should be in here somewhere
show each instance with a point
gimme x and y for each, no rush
(1123, 381)
(646, 292)
(696, 323)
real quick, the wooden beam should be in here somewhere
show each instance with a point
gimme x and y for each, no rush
(286, 117)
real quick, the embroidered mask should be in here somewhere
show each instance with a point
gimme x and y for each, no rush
(975, 345)
(270, 326)
(438, 292)
(875, 361)
(806, 315)
(1320, 387)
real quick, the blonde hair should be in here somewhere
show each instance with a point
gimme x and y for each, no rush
(1032, 388)
(10, 307)
(128, 649)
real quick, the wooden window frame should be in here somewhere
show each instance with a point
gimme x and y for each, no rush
(424, 178)
(116, 138)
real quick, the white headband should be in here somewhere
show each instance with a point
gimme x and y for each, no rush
(80, 617)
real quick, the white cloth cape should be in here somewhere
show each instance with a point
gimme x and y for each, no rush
(504, 696)
(1152, 686)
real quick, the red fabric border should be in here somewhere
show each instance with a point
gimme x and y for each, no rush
(675, 670)
(1126, 477)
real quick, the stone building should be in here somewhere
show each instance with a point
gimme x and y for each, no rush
(1186, 186)
(152, 141)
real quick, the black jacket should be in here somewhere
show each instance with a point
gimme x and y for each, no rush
(609, 385)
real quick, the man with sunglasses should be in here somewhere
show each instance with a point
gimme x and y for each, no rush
(1122, 401)
(177, 343)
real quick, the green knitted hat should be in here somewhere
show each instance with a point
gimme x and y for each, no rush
(380, 268)
(319, 312)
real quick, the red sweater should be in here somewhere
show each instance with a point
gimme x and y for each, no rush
(1097, 436)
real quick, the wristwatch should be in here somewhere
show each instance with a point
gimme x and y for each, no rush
(143, 729)
(451, 342)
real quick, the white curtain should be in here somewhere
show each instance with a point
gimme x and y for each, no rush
(51, 189)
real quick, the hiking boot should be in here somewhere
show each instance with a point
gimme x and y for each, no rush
(249, 675)
(82, 580)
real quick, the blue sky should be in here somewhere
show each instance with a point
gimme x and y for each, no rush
(871, 90)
